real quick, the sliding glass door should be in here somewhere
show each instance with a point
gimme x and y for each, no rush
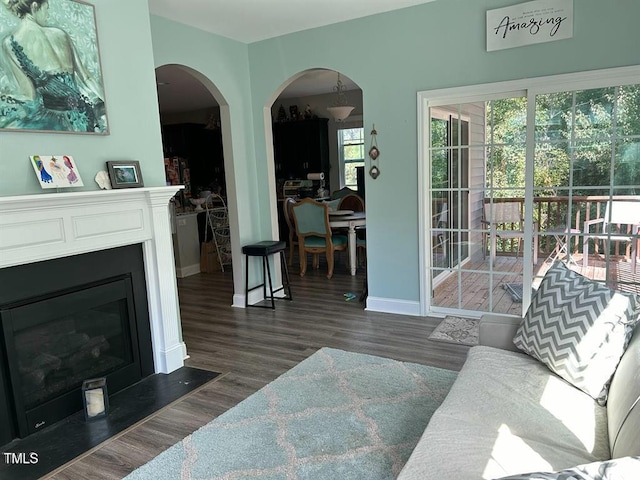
(516, 178)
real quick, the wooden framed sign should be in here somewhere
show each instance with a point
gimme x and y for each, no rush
(529, 23)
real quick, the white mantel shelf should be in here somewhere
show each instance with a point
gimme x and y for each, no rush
(45, 226)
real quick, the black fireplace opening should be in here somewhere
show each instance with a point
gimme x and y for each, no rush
(64, 321)
(55, 343)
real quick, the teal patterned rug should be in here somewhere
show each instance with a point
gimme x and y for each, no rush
(336, 415)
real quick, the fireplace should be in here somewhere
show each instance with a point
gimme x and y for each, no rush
(88, 289)
(68, 320)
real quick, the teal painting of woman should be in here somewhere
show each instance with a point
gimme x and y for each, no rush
(50, 75)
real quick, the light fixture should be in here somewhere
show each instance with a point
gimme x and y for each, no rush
(340, 109)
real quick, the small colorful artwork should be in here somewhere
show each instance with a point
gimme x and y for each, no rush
(56, 171)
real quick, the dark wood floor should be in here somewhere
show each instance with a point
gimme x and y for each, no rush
(254, 346)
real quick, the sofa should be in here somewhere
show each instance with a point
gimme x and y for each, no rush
(512, 413)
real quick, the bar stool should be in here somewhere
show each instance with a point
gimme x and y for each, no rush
(265, 249)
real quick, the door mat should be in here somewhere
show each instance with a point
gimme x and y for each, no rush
(463, 331)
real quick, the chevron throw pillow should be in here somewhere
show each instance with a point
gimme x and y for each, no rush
(579, 328)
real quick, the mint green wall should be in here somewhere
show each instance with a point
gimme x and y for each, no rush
(391, 56)
(223, 66)
(394, 55)
(132, 109)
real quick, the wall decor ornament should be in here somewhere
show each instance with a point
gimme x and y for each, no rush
(103, 180)
(56, 171)
(374, 153)
(50, 73)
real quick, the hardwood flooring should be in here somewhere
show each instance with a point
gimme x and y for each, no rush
(251, 347)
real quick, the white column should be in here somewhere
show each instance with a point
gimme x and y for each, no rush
(169, 350)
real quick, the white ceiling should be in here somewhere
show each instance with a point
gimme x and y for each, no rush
(252, 20)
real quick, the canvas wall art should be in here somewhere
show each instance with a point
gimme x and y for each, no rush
(50, 73)
(56, 171)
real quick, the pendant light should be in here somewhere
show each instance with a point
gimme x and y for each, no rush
(340, 109)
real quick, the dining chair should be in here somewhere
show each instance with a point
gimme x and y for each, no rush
(343, 192)
(314, 234)
(351, 201)
(287, 211)
(355, 203)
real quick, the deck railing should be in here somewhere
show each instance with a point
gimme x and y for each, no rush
(570, 212)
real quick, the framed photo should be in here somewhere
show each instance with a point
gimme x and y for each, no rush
(56, 171)
(50, 72)
(125, 174)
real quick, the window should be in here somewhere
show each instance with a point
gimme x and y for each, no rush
(351, 152)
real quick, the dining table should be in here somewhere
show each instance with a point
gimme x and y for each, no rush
(351, 220)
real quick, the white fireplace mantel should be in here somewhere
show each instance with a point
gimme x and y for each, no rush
(41, 227)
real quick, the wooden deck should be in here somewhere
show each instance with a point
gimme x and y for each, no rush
(476, 287)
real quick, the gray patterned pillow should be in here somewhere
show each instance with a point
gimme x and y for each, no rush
(616, 469)
(579, 328)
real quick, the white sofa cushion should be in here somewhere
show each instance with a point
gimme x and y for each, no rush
(579, 328)
(507, 413)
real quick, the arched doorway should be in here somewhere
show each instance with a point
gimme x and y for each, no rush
(303, 138)
(194, 117)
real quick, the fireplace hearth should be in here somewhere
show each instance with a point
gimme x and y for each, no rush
(64, 321)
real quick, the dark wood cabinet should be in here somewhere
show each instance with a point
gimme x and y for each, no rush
(201, 147)
(301, 147)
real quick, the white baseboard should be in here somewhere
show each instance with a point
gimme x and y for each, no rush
(392, 305)
(238, 301)
(188, 270)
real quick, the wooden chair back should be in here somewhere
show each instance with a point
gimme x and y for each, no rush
(351, 201)
(288, 216)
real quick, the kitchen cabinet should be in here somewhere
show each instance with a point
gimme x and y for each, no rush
(301, 147)
(202, 148)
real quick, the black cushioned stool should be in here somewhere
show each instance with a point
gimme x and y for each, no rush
(264, 250)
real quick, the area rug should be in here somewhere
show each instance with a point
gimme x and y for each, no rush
(336, 415)
(463, 331)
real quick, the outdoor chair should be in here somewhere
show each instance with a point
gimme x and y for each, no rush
(620, 223)
(498, 216)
